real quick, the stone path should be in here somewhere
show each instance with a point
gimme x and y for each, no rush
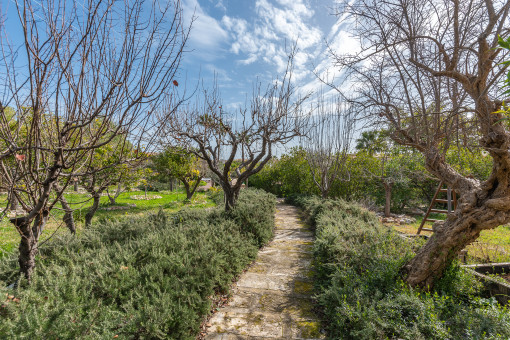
(272, 300)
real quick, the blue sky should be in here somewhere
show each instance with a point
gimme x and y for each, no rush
(245, 40)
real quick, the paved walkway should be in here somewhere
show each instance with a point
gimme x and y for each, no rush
(272, 300)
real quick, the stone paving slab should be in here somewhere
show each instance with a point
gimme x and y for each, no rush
(272, 299)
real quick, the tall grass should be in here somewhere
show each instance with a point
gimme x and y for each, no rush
(148, 277)
(362, 295)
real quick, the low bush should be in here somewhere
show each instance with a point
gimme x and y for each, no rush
(151, 277)
(361, 294)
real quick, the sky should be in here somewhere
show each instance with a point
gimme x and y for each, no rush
(245, 41)
(242, 42)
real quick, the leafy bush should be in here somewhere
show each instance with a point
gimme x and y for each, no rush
(151, 277)
(357, 263)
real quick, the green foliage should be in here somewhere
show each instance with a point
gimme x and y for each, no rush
(247, 214)
(373, 141)
(358, 262)
(412, 184)
(150, 277)
(506, 45)
(288, 175)
(175, 162)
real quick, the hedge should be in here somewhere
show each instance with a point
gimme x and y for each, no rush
(362, 296)
(149, 277)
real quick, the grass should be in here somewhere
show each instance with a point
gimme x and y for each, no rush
(492, 246)
(170, 201)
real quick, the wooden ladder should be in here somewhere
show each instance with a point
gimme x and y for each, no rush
(451, 202)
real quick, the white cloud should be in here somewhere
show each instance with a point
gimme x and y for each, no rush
(275, 26)
(207, 34)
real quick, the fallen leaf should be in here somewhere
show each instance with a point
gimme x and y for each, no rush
(175, 83)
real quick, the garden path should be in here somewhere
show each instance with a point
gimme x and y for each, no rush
(273, 298)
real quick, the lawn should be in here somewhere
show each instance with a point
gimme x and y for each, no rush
(170, 201)
(492, 246)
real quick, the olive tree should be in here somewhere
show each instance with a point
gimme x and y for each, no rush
(429, 70)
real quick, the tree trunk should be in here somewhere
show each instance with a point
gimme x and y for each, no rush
(92, 210)
(68, 216)
(28, 245)
(113, 199)
(231, 194)
(449, 239)
(480, 207)
(387, 195)
(76, 186)
(171, 184)
(27, 248)
(13, 202)
(187, 189)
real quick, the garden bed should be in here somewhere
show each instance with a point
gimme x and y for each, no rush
(148, 277)
(492, 276)
(360, 291)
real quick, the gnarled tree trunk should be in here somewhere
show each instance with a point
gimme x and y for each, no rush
(68, 215)
(27, 247)
(29, 230)
(479, 211)
(92, 210)
(231, 194)
(482, 205)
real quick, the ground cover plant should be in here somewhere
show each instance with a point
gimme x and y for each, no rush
(361, 293)
(170, 201)
(147, 277)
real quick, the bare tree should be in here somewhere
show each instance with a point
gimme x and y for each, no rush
(427, 70)
(85, 73)
(218, 137)
(327, 142)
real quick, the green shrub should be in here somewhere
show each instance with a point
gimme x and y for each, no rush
(360, 292)
(151, 277)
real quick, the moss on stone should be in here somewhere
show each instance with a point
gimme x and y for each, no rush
(257, 268)
(302, 287)
(309, 329)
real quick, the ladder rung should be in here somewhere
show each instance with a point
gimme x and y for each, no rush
(441, 211)
(440, 200)
(432, 220)
(426, 229)
(443, 190)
